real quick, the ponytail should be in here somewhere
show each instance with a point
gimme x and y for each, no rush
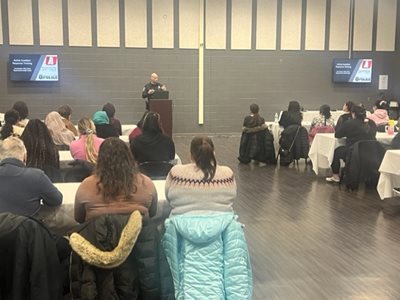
(86, 127)
(202, 151)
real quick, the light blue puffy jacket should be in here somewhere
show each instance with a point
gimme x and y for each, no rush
(208, 257)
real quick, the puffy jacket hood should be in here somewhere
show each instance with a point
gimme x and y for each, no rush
(381, 113)
(200, 229)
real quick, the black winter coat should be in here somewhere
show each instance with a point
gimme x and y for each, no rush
(30, 267)
(145, 274)
(257, 145)
(301, 146)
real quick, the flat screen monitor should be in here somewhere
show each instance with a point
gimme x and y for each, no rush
(352, 70)
(33, 67)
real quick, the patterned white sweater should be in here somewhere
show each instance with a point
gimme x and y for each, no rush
(188, 193)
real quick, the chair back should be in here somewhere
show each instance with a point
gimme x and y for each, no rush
(79, 171)
(156, 170)
(362, 163)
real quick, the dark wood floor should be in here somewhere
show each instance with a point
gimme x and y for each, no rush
(309, 239)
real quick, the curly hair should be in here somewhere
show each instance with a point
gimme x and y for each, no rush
(41, 150)
(116, 170)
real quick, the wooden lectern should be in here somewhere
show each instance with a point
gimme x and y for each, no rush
(164, 108)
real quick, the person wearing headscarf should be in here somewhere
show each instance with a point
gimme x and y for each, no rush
(62, 137)
(103, 127)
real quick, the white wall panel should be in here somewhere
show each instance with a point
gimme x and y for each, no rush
(215, 24)
(20, 22)
(266, 24)
(108, 23)
(291, 25)
(163, 24)
(189, 13)
(386, 28)
(315, 25)
(363, 22)
(79, 23)
(339, 25)
(51, 23)
(241, 24)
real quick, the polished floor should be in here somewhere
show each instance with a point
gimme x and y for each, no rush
(309, 239)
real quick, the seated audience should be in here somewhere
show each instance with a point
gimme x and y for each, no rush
(256, 141)
(380, 115)
(324, 123)
(65, 112)
(109, 108)
(62, 137)
(103, 127)
(9, 128)
(152, 144)
(42, 153)
(202, 232)
(347, 115)
(23, 188)
(139, 128)
(23, 112)
(88, 144)
(117, 186)
(292, 116)
(357, 129)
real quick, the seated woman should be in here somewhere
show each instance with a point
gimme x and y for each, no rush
(23, 111)
(357, 129)
(9, 128)
(292, 116)
(202, 232)
(103, 127)
(152, 144)
(42, 153)
(117, 186)
(256, 141)
(380, 115)
(347, 115)
(88, 144)
(65, 112)
(109, 108)
(62, 137)
(139, 128)
(324, 123)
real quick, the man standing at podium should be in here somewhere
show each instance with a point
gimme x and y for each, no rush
(150, 88)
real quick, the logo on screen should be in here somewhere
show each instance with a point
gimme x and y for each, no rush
(51, 60)
(366, 64)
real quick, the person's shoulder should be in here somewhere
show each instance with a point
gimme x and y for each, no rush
(225, 170)
(182, 169)
(145, 180)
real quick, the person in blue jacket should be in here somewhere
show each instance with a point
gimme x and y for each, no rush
(203, 241)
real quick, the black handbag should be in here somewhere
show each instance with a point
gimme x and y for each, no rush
(286, 155)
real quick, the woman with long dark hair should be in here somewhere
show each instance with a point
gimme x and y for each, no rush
(42, 153)
(11, 119)
(201, 185)
(292, 116)
(117, 186)
(152, 144)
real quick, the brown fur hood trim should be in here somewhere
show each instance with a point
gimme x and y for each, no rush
(114, 258)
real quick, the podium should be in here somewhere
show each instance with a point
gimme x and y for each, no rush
(164, 108)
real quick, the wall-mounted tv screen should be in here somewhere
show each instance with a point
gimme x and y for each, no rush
(33, 67)
(352, 70)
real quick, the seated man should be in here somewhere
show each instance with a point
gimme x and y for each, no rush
(22, 188)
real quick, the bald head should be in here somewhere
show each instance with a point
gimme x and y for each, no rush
(154, 78)
(12, 147)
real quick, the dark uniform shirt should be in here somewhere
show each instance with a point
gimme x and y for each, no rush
(146, 89)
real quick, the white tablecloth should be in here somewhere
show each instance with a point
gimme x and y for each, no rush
(127, 128)
(69, 190)
(324, 145)
(390, 174)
